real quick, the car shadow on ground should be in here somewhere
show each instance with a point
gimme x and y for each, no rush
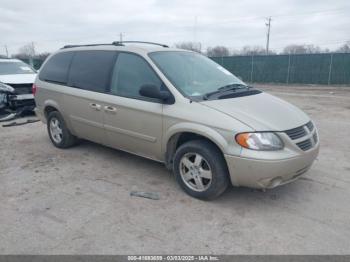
(157, 172)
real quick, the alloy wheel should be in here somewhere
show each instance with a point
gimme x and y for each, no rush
(196, 172)
(56, 130)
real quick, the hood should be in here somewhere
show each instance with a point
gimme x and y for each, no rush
(18, 79)
(262, 112)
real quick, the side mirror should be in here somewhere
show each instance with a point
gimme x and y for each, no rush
(153, 91)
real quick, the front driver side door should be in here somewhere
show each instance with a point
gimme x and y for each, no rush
(132, 122)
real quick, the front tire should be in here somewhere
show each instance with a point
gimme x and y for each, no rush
(59, 134)
(200, 169)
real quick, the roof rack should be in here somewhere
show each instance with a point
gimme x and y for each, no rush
(117, 43)
(71, 46)
(121, 43)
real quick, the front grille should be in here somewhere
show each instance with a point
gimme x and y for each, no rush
(307, 132)
(305, 145)
(21, 89)
(310, 126)
(296, 133)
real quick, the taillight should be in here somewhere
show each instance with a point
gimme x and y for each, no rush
(34, 89)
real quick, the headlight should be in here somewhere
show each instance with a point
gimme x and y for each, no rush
(260, 141)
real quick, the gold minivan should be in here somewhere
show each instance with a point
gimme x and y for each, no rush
(176, 107)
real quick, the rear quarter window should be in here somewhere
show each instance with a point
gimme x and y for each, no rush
(91, 70)
(56, 68)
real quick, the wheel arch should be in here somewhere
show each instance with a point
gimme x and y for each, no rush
(182, 133)
(49, 107)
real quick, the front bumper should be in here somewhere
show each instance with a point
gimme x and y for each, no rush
(22, 100)
(257, 173)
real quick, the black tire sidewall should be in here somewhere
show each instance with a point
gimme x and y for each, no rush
(66, 135)
(217, 164)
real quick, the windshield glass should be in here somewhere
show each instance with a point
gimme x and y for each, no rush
(12, 68)
(193, 74)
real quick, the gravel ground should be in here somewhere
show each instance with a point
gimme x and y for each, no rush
(77, 201)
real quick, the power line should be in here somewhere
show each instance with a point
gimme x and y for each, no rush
(240, 19)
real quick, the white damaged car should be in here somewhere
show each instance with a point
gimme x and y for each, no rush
(16, 81)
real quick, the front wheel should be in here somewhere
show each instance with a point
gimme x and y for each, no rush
(200, 169)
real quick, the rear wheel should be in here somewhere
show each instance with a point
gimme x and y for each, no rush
(58, 132)
(200, 169)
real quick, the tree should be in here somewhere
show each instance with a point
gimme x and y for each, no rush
(301, 49)
(42, 56)
(26, 52)
(344, 48)
(253, 50)
(192, 46)
(294, 49)
(313, 49)
(218, 51)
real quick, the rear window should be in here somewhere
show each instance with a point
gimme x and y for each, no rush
(56, 68)
(91, 70)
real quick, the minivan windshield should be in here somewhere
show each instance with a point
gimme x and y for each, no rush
(194, 74)
(14, 67)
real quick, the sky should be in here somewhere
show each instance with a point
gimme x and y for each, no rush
(52, 24)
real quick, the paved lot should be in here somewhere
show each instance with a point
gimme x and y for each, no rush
(77, 201)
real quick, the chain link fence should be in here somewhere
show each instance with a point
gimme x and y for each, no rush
(324, 69)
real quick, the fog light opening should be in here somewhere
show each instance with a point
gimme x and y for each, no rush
(275, 182)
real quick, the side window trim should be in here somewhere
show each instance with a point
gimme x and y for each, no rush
(69, 68)
(139, 97)
(110, 77)
(54, 82)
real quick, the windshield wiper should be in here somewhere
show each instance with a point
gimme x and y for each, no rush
(230, 87)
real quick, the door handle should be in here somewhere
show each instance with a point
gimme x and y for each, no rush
(95, 106)
(110, 109)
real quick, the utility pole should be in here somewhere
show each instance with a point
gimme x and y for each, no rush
(268, 24)
(32, 55)
(7, 51)
(197, 44)
(121, 37)
(32, 51)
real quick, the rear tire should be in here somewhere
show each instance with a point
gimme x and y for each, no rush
(200, 169)
(59, 134)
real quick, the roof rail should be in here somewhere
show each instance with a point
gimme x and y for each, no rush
(71, 46)
(121, 43)
(117, 43)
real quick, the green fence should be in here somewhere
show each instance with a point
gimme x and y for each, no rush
(326, 69)
(331, 69)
